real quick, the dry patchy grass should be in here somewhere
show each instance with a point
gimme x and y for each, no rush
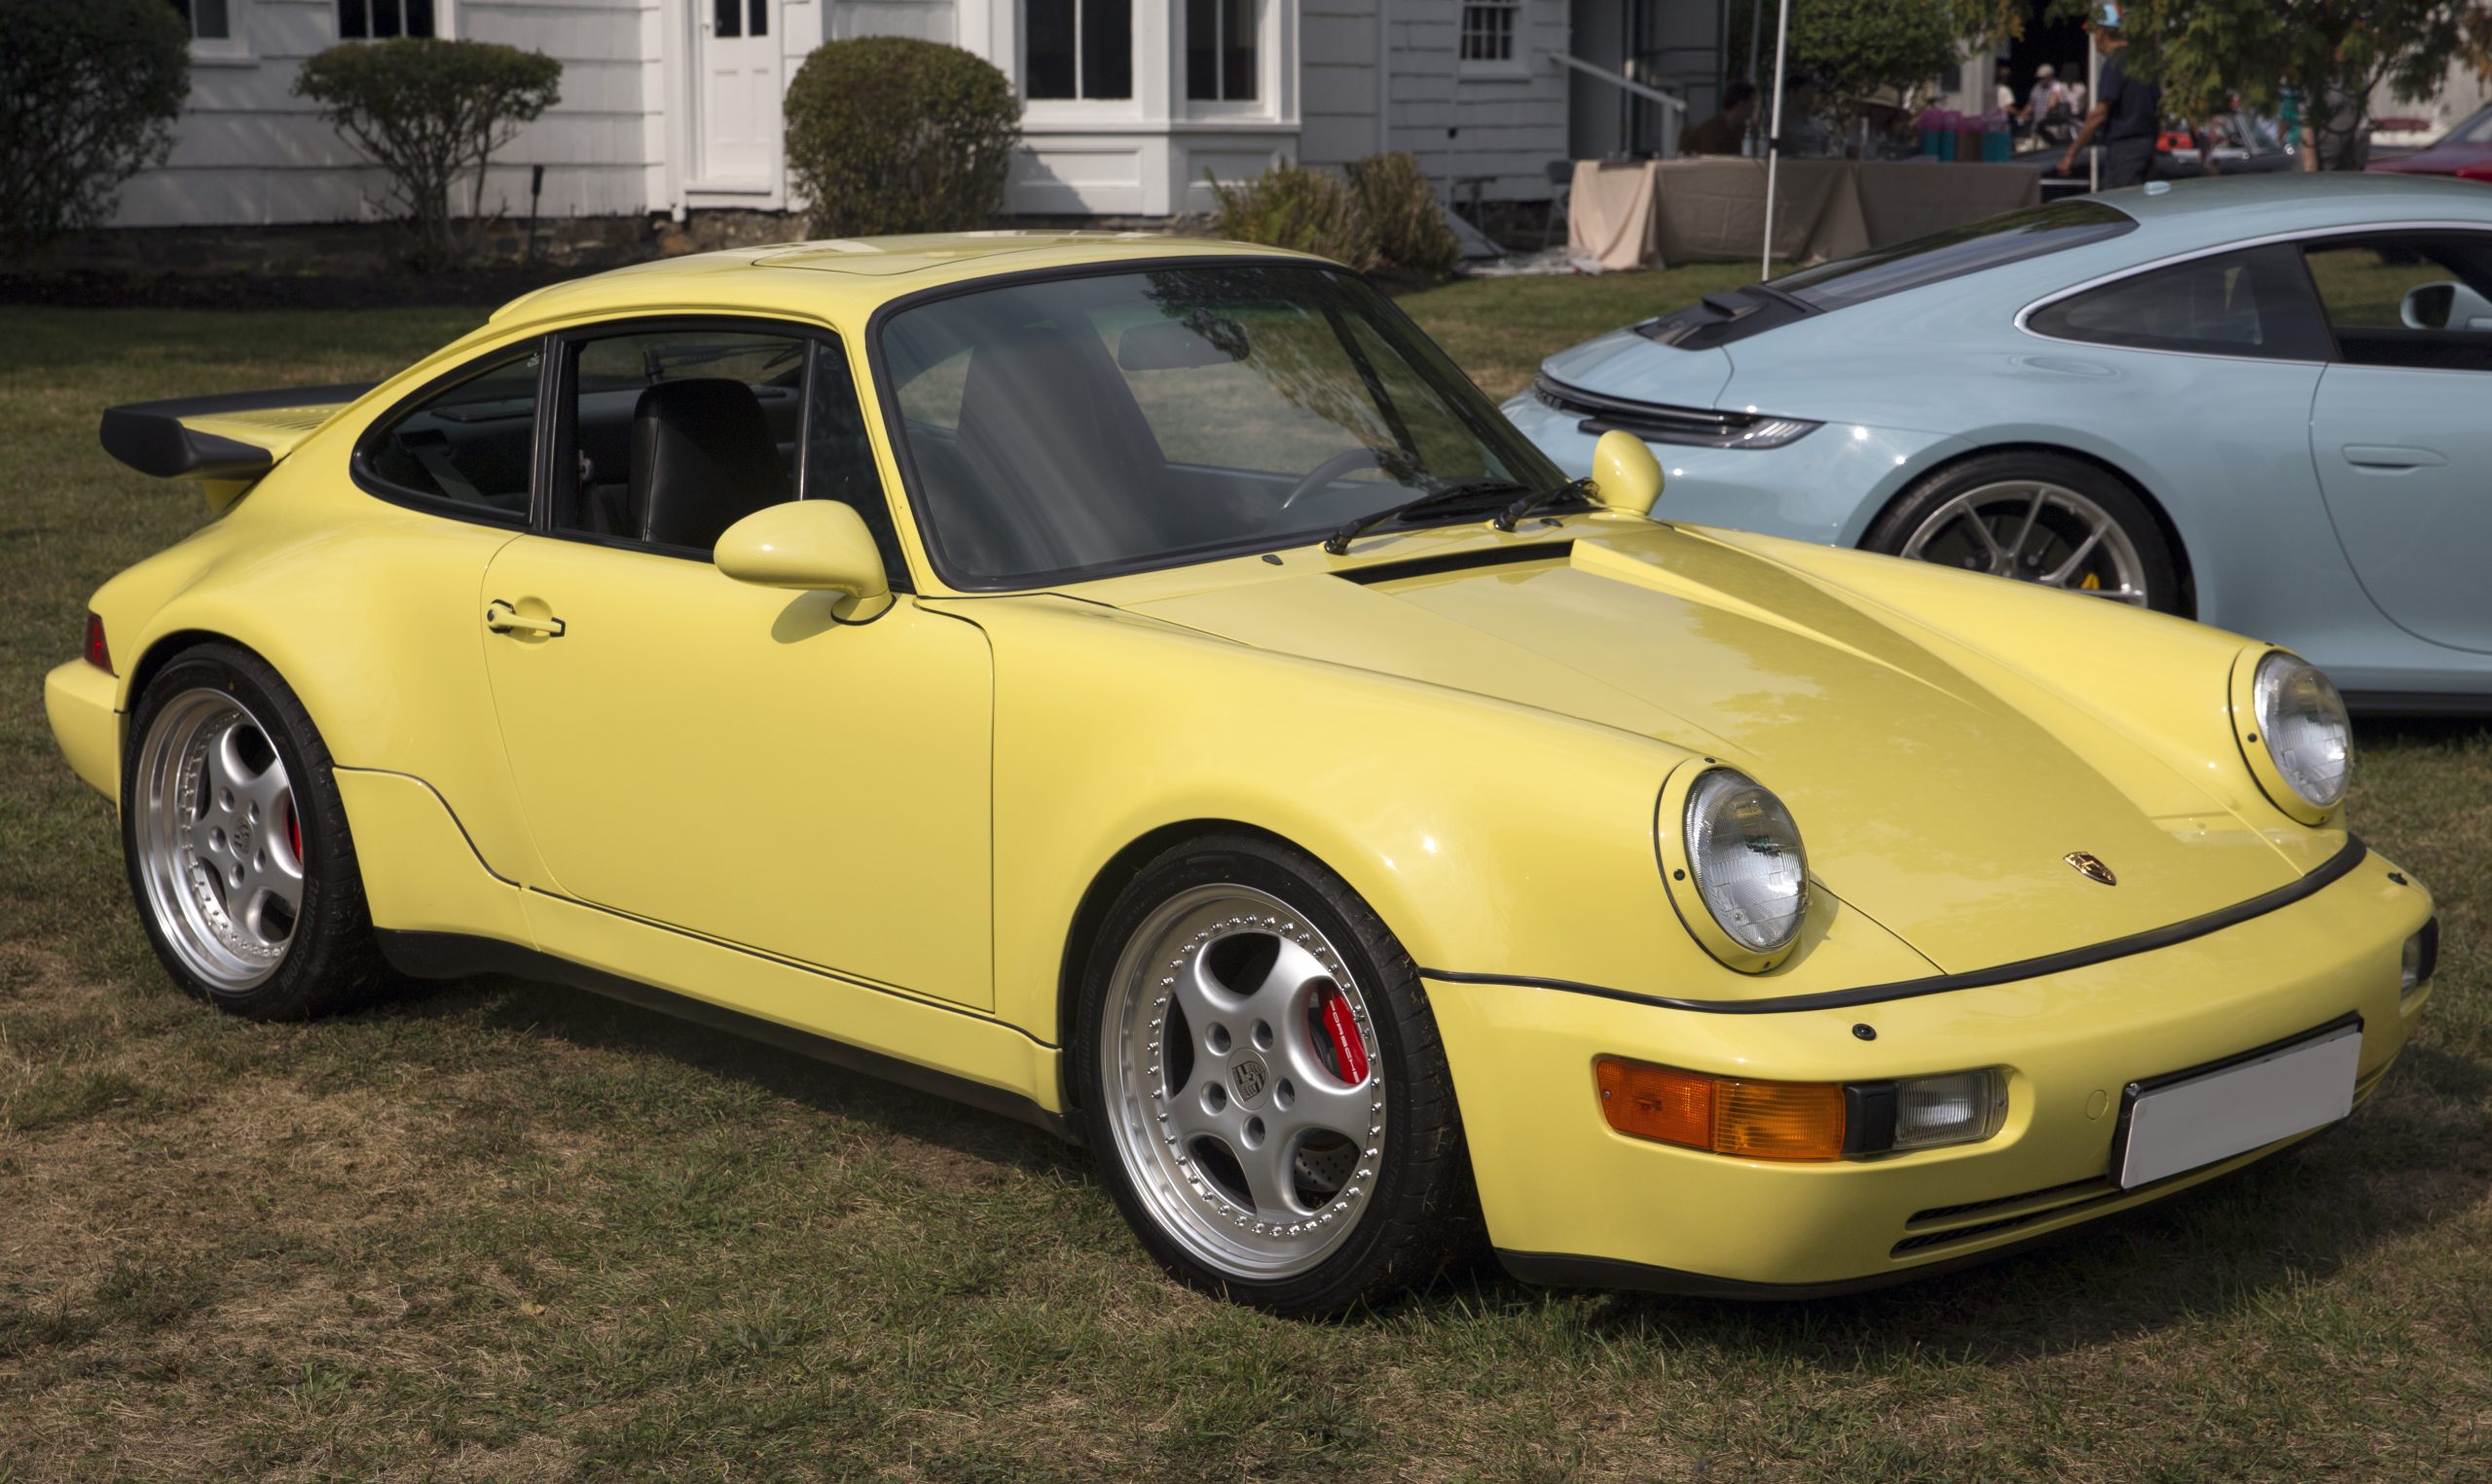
(503, 1231)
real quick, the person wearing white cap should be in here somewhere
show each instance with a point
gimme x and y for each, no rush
(2127, 111)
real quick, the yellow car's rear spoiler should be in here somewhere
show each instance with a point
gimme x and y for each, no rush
(230, 439)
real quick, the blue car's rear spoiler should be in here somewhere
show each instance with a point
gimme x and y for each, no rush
(237, 436)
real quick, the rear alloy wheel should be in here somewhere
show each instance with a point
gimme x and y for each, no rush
(2037, 518)
(237, 842)
(1261, 1080)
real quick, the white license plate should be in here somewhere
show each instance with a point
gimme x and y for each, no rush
(2197, 1118)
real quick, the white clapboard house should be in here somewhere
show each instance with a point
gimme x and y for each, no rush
(674, 105)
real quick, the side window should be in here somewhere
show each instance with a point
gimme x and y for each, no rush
(469, 445)
(674, 435)
(2416, 300)
(2254, 302)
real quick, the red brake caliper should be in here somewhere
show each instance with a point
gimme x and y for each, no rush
(294, 829)
(1350, 1053)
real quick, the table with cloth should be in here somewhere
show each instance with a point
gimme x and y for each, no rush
(1654, 213)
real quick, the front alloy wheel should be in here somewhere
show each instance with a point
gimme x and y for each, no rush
(1263, 1083)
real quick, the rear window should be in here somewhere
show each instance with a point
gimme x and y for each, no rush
(1955, 252)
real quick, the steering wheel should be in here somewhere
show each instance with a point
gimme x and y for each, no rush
(1331, 470)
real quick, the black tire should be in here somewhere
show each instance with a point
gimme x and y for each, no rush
(330, 960)
(1420, 1216)
(2158, 572)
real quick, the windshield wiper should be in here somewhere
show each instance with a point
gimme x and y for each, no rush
(1340, 541)
(1507, 516)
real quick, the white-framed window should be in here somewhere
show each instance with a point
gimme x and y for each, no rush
(1224, 62)
(739, 17)
(381, 20)
(1492, 39)
(1077, 49)
(208, 19)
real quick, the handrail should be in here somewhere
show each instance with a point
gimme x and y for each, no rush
(1640, 90)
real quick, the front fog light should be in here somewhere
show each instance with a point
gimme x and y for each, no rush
(1960, 1108)
(1957, 1108)
(2422, 956)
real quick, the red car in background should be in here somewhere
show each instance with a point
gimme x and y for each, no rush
(2465, 151)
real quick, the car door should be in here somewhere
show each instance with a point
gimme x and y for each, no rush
(2401, 431)
(729, 760)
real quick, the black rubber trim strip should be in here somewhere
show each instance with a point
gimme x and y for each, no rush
(461, 956)
(149, 436)
(2376, 704)
(1459, 561)
(2332, 870)
(1563, 1270)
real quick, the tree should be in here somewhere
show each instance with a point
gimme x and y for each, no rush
(88, 92)
(426, 110)
(1855, 48)
(891, 134)
(2207, 51)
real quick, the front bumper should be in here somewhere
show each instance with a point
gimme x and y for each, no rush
(78, 701)
(1825, 487)
(1570, 1200)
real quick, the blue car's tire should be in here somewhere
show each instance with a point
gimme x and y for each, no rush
(2040, 518)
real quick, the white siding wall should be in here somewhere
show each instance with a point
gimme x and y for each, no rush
(1463, 123)
(248, 151)
(1337, 94)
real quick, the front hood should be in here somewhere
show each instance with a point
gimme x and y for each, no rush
(1625, 364)
(1928, 802)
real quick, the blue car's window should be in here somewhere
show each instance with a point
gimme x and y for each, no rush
(2251, 302)
(1058, 428)
(2012, 237)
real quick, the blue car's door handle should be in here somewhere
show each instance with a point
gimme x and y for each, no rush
(2382, 455)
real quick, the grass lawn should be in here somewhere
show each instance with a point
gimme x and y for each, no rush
(507, 1231)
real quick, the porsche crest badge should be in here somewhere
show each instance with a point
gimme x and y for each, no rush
(2091, 867)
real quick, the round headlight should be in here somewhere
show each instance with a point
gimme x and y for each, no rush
(1743, 849)
(2303, 721)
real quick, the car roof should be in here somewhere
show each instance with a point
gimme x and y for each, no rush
(2235, 206)
(848, 278)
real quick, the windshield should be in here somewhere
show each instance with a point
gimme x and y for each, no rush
(2476, 130)
(1955, 252)
(1060, 429)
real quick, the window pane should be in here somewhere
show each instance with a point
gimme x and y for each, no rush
(471, 445)
(2421, 301)
(839, 459)
(760, 16)
(1145, 417)
(420, 17)
(1238, 50)
(1202, 49)
(2010, 237)
(385, 18)
(1107, 49)
(1048, 59)
(726, 18)
(675, 466)
(350, 19)
(208, 20)
(2249, 304)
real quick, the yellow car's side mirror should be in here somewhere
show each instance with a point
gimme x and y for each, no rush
(1626, 479)
(816, 546)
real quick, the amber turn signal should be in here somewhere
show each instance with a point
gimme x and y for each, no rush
(1727, 1115)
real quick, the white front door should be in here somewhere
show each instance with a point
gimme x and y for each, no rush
(739, 57)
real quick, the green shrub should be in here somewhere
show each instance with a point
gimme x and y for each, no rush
(426, 110)
(89, 91)
(1289, 205)
(1400, 204)
(888, 134)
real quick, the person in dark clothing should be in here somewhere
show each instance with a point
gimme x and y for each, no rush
(2127, 111)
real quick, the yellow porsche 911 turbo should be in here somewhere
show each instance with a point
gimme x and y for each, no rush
(1142, 686)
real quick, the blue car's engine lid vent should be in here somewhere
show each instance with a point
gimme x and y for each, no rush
(1692, 426)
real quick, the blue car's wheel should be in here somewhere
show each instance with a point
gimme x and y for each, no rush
(2039, 517)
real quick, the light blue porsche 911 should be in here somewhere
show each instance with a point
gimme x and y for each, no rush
(2263, 402)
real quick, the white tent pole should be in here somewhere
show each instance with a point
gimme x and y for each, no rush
(1774, 136)
(2093, 92)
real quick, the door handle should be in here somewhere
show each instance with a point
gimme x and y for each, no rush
(2380, 456)
(501, 618)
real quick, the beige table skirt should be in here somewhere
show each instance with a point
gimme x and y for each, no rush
(1656, 213)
